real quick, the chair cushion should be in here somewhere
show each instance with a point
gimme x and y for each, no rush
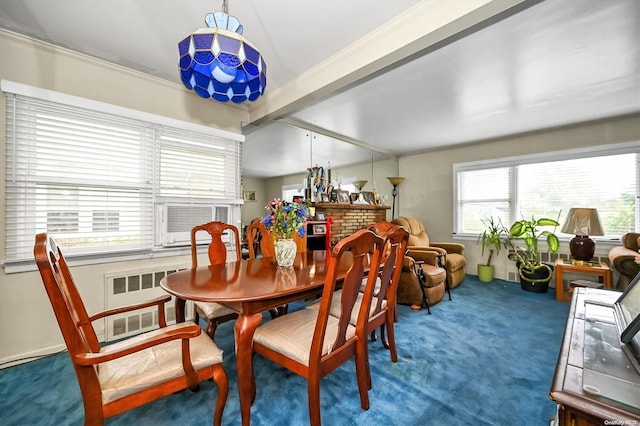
(292, 334)
(152, 366)
(455, 262)
(214, 310)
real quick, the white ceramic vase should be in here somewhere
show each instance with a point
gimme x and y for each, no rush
(286, 250)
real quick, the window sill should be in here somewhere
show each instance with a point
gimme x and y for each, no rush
(82, 260)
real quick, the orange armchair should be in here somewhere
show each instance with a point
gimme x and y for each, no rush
(421, 248)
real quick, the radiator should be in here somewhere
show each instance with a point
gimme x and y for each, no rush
(129, 287)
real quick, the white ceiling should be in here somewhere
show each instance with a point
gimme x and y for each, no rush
(427, 74)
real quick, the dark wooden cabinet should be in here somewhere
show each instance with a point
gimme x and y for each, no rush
(318, 235)
(575, 406)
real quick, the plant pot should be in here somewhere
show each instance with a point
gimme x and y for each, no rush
(485, 273)
(538, 281)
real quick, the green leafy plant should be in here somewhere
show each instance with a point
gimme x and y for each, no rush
(494, 236)
(528, 257)
(284, 219)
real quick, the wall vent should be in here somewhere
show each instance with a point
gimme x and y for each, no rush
(128, 287)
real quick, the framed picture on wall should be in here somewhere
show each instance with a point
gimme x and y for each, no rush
(321, 216)
(324, 198)
(248, 195)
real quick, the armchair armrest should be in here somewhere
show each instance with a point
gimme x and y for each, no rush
(408, 264)
(430, 257)
(158, 301)
(427, 248)
(450, 247)
(624, 260)
(153, 338)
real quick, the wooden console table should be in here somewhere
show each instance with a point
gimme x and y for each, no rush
(600, 269)
(575, 406)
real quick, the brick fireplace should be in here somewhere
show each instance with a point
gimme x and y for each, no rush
(348, 218)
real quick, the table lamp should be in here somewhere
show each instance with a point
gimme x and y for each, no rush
(582, 222)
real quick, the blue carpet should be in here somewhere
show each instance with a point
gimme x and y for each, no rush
(485, 358)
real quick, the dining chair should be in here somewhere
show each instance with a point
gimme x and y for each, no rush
(260, 238)
(381, 292)
(118, 377)
(311, 342)
(215, 313)
(383, 310)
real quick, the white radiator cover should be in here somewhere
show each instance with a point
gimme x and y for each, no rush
(129, 287)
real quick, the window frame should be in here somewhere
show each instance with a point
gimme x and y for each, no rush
(514, 161)
(232, 198)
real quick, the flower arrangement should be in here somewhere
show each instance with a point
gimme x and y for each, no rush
(284, 219)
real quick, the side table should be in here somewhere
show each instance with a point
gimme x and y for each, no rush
(600, 269)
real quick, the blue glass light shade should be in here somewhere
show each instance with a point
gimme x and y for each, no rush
(218, 62)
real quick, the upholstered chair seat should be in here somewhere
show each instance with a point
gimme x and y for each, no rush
(152, 366)
(299, 328)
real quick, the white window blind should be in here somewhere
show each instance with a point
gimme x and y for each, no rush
(196, 165)
(92, 179)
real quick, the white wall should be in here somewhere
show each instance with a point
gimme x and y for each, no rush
(253, 209)
(27, 323)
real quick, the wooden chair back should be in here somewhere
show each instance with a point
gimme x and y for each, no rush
(217, 250)
(259, 238)
(396, 239)
(365, 247)
(77, 331)
(214, 313)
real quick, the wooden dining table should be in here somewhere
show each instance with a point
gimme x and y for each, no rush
(251, 287)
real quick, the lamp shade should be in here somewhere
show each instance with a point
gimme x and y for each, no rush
(218, 62)
(395, 180)
(582, 222)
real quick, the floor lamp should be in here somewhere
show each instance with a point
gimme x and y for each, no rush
(395, 181)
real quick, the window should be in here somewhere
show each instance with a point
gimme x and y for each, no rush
(290, 191)
(545, 185)
(95, 176)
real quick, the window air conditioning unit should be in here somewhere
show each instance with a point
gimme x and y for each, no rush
(177, 220)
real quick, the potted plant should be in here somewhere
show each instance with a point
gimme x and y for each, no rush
(493, 237)
(534, 274)
(285, 219)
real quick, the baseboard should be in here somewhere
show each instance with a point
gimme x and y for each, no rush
(31, 356)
